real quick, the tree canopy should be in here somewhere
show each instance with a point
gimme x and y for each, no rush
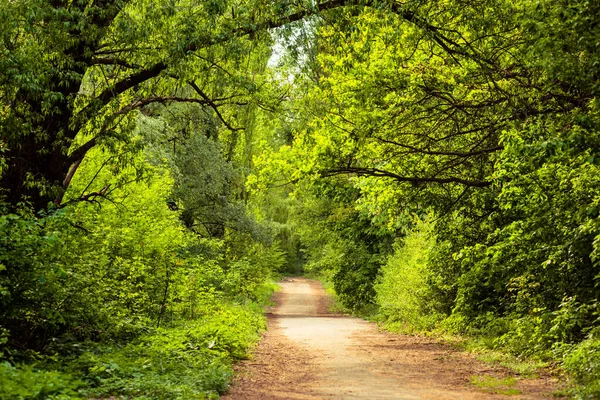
(160, 162)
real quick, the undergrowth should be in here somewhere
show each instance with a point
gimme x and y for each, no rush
(185, 360)
(542, 341)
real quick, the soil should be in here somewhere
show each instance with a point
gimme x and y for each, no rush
(311, 353)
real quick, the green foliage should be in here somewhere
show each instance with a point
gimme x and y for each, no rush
(206, 184)
(275, 208)
(483, 117)
(405, 300)
(73, 77)
(121, 296)
(112, 266)
(583, 363)
(23, 382)
(187, 360)
(354, 275)
(342, 244)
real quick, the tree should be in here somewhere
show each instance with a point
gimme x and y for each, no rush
(482, 118)
(422, 103)
(73, 74)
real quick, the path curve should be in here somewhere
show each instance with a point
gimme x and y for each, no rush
(310, 353)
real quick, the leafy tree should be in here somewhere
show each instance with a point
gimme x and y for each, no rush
(481, 118)
(74, 74)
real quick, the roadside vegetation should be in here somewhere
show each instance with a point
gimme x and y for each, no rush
(122, 296)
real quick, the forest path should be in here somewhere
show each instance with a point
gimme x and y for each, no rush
(310, 353)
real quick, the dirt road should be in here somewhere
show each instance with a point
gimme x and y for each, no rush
(309, 353)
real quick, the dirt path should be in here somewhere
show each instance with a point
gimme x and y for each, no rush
(309, 353)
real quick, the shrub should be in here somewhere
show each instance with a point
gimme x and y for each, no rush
(583, 364)
(23, 382)
(191, 360)
(403, 293)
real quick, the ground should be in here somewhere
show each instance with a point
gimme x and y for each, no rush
(311, 353)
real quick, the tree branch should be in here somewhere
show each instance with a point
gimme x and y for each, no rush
(90, 197)
(81, 151)
(212, 105)
(111, 61)
(410, 179)
(153, 71)
(442, 153)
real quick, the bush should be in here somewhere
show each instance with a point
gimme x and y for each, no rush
(191, 360)
(23, 382)
(583, 364)
(403, 294)
(122, 301)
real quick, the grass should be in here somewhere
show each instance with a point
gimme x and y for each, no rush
(480, 347)
(524, 367)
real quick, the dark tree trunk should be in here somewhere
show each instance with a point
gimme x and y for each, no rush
(40, 130)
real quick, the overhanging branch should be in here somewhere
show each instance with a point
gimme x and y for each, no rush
(212, 105)
(462, 154)
(80, 152)
(155, 70)
(399, 178)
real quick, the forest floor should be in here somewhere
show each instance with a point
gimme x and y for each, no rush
(310, 353)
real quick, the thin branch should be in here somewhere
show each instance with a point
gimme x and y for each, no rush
(160, 99)
(409, 179)
(212, 105)
(112, 61)
(104, 164)
(81, 151)
(442, 153)
(90, 197)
